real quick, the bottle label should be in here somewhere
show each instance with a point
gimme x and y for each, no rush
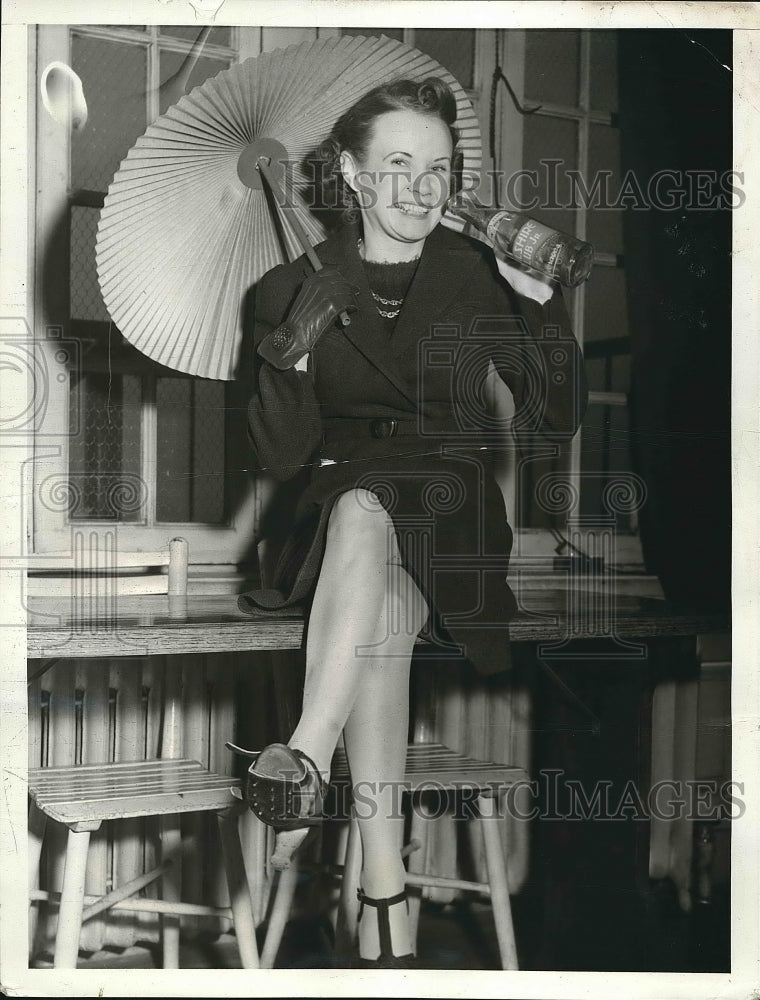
(494, 222)
(529, 240)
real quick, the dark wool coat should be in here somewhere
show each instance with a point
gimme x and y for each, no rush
(434, 475)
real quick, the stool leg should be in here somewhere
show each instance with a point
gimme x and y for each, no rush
(254, 830)
(72, 900)
(332, 907)
(348, 906)
(418, 861)
(36, 833)
(497, 879)
(240, 896)
(171, 888)
(281, 907)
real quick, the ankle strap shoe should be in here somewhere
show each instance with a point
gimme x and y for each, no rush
(386, 959)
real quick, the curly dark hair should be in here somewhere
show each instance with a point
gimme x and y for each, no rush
(353, 130)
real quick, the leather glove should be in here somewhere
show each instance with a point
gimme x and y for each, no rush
(322, 297)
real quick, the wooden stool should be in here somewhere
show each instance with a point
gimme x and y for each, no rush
(84, 796)
(90, 579)
(429, 767)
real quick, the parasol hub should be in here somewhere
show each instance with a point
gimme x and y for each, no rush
(272, 152)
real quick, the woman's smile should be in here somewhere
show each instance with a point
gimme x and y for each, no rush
(412, 209)
(401, 183)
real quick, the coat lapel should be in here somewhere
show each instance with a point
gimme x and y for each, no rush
(445, 264)
(444, 267)
(366, 331)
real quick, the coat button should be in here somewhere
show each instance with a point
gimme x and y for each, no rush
(383, 427)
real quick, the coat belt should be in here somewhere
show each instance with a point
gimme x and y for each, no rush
(353, 428)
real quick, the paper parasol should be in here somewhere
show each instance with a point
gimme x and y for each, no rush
(187, 228)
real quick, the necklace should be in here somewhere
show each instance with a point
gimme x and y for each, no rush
(387, 313)
(379, 300)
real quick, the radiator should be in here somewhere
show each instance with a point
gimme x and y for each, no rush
(484, 717)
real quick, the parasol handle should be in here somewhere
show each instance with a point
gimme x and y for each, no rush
(263, 166)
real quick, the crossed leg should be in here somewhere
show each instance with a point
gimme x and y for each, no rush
(365, 617)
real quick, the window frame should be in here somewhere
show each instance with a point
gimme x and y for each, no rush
(227, 543)
(540, 542)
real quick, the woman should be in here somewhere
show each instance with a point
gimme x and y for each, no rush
(402, 527)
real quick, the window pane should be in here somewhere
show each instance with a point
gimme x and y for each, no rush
(552, 59)
(604, 78)
(605, 451)
(550, 139)
(190, 450)
(452, 47)
(218, 36)
(397, 33)
(608, 365)
(114, 79)
(174, 443)
(596, 373)
(86, 300)
(606, 307)
(208, 493)
(104, 447)
(171, 63)
(620, 375)
(604, 225)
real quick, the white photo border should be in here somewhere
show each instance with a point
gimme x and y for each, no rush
(18, 90)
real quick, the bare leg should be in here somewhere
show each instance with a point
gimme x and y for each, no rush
(348, 603)
(361, 599)
(376, 734)
(376, 737)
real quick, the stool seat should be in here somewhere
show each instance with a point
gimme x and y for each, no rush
(433, 764)
(83, 796)
(87, 793)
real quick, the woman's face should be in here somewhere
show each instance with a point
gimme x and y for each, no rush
(402, 183)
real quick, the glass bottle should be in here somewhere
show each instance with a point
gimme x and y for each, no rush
(560, 256)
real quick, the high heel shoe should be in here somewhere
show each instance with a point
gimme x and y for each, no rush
(386, 958)
(284, 787)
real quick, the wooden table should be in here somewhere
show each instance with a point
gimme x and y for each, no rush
(142, 625)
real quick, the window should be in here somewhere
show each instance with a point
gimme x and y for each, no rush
(143, 445)
(568, 80)
(454, 48)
